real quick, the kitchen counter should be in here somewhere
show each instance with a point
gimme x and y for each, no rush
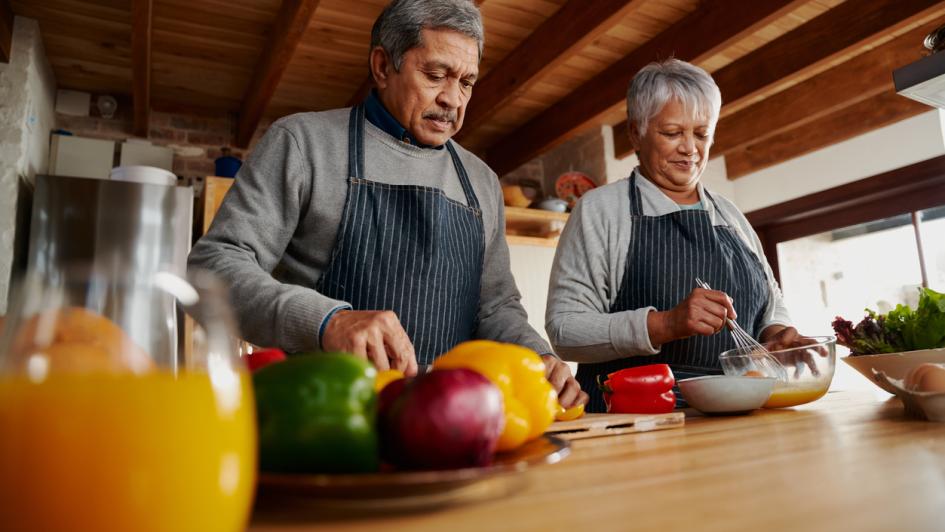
(849, 461)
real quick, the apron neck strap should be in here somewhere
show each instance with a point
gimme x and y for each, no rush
(356, 142)
(356, 155)
(471, 199)
(636, 203)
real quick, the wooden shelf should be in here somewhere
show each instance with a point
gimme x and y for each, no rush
(548, 242)
(533, 215)
(529, 227)
(533, 227)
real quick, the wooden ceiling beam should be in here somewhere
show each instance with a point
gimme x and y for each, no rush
(811, 46)
(857, 119)
(6, 31)
(141, 18)
(710, 29)
(362, 92)
(287, 31)
(562, 35)
(863, 77)
(807, 48)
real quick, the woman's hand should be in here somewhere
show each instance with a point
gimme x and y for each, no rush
(778, 337)
(703, 312)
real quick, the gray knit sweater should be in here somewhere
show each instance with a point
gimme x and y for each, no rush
(589, 268)
(273, 236)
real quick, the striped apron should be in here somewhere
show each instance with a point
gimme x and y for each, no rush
(665, 256)
(409, 249)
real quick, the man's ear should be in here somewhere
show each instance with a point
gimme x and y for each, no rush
(381, 66)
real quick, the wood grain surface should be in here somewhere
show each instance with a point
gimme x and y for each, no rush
(845, 462)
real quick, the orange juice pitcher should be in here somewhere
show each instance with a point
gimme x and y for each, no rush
(98, 434)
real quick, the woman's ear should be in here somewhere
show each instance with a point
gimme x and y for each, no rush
(380, 66)
(634, 133)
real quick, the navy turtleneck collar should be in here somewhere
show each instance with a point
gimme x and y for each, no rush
(377, 114)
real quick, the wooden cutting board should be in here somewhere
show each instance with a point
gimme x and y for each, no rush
(596, 425)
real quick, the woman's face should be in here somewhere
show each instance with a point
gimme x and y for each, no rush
(674, 151)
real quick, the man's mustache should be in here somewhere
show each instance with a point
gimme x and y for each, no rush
(445, 117)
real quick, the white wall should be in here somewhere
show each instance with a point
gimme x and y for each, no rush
(894, 146)
(531, 267)
(27, 92)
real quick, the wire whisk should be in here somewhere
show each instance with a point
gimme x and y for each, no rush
(747, 345)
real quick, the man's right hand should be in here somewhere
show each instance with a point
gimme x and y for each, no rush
(376, 335)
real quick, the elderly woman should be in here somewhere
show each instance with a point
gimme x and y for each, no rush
(623, 289)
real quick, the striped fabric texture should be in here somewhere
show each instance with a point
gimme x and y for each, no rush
(665, 256)
(409, 249)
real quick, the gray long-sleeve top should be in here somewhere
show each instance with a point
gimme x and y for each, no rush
(589, 268)
(273, 236)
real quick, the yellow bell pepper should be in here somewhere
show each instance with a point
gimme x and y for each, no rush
(530, 401)
(386, 377)
(568, 414)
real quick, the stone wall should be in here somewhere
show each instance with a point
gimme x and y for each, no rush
(27, 90)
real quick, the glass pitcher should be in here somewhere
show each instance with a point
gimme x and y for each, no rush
(99, 433)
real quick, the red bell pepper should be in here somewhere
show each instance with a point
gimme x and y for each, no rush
(263, 357)
(640, 390)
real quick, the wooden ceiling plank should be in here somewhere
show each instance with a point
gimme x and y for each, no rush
(857, 119)
(141, 17)
(6, 31)
(808, 47)
(293, 19)
(566, 32)
(796, 53)
(863, 77)
(697, 36)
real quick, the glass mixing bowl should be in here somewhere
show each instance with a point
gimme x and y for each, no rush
(809, 370)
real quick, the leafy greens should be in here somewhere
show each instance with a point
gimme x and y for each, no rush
(901, 329)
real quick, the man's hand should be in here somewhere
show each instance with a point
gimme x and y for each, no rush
(559, 375)
(375, 335)
(703, 312)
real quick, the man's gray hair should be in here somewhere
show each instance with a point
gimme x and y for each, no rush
(398, 27)
(657, 83)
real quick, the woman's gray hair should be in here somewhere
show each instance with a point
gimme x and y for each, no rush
(657, 83)
(398, 27)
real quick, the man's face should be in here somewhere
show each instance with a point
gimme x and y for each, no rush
(428, 96)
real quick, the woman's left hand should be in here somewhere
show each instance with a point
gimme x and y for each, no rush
(778, 337)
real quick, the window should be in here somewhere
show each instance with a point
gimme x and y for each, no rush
(866, 244)
(842, 272)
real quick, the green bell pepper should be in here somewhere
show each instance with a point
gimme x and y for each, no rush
(316, 414)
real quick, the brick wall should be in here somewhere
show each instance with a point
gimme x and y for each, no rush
(584, 153)
(195, 138)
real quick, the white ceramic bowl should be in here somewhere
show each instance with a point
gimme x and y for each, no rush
(894, 365)
(726, 394)
(144, 174)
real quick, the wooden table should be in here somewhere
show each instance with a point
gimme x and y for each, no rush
(846, 462)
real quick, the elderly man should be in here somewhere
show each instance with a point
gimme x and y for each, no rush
(367, 230)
